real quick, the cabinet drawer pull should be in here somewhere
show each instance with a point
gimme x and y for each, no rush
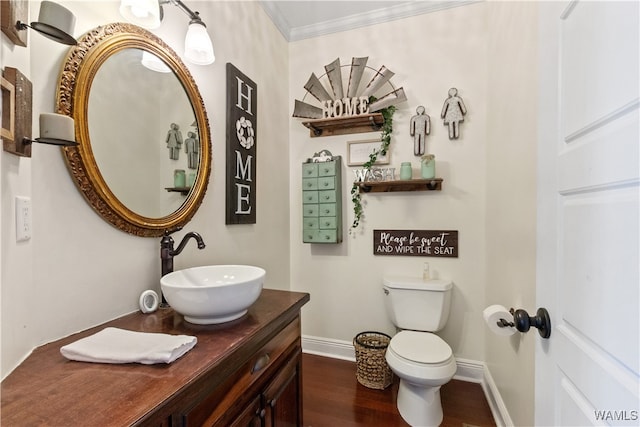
(260, 363)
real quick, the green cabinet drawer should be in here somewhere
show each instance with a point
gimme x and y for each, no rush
(327, 196)
(326, 222)
(309, 170)
(327, 209)
(309, 184)
(327, 236)
(327, 169)
(319, 236)
(311, 222)
(309, 236)
(310, 197)
(326, 183)
(310, 210)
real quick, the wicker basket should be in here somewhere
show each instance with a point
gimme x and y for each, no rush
(372, 369)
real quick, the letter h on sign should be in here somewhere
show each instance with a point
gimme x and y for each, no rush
(242, 137)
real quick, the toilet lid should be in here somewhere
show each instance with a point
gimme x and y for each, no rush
(420, 347)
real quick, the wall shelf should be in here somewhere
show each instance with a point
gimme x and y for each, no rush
(182, 190)
(433, 184)
(345, 125)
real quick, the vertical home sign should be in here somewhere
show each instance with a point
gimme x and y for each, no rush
(242, 135)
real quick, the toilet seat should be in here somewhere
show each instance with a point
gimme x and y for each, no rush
(421, 347)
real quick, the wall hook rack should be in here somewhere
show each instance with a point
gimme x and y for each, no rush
(523, 322)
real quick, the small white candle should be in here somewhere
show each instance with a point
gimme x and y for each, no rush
(57, 126)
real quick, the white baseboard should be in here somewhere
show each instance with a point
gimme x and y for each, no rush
(494, 398)
(336, 349)
(468, 370)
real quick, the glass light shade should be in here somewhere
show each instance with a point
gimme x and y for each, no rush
(153, 63)
(145, 13)
(198, 48)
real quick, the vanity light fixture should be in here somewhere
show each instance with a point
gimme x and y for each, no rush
(54, 22)
(198, 48)
(55, 129)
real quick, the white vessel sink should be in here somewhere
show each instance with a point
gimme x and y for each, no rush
(213, 294)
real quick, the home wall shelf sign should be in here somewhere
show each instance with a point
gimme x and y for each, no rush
(355, 111)
(242, 134)
(431, 243)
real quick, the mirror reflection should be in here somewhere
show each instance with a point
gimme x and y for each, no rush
(143, 159)
(143, 132)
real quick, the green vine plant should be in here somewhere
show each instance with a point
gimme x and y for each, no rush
(387, 129)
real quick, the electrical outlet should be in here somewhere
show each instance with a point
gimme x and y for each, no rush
(23, 219)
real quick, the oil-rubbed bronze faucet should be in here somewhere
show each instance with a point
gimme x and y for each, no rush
(167, 252)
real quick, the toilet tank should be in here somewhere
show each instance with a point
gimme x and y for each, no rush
(415, 304)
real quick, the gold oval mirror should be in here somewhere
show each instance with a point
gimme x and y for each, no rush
(143, 158)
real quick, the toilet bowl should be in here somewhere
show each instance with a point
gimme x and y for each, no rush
(421, 359)
(423, 362)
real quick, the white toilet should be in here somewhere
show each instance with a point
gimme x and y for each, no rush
(422, 360)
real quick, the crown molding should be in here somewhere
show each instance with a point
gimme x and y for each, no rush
(351, 22)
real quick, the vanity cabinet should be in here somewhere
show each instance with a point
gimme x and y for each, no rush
(241, 373)
(252, 393)
(322, 201)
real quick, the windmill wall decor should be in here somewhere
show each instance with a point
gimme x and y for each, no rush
(338, 112)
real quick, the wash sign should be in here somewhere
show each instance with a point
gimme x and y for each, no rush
(242, 133)
(433, 243)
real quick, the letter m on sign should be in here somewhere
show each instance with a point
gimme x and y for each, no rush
(242, 139)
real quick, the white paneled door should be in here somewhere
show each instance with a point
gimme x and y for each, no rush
(588, 214)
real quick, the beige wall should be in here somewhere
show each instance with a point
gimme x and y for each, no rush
(429, 53)
(511, 196)
(77, 270)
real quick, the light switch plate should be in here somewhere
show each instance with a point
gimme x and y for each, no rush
(23, 218)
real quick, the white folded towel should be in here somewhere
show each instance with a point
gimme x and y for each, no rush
(113, 345)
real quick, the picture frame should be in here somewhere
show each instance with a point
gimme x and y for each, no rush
(8, 110)
(17, 93)
(358, 152)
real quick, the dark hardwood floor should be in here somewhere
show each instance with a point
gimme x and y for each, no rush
(332, 397)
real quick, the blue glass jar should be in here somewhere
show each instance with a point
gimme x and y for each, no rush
(428, 166)
(405, 171)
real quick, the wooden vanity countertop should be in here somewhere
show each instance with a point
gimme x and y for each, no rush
(47, 389)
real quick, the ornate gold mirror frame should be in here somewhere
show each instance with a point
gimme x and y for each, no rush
(79, 69)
